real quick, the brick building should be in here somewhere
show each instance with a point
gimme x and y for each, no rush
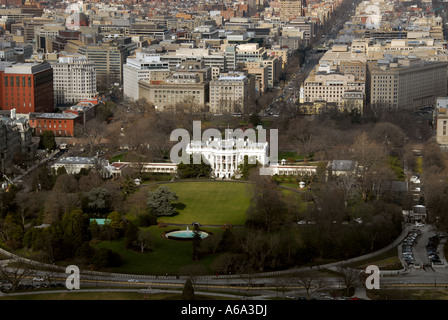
(62, 124)
(27, 87)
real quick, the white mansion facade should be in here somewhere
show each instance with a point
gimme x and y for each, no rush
(224, 156)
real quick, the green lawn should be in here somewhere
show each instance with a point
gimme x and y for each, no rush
(117, 157)
(207, 202)
(289, 155)
(168, 255)
(210, 203)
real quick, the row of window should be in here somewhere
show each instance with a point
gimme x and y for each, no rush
(19, 81)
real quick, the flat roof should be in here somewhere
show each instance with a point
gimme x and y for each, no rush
(69, 116)
(27, 68)
(76, 160)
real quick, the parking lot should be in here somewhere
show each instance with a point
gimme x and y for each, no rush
(421, 248)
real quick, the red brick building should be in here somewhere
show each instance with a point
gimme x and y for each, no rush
(62, 124)
(27, 87)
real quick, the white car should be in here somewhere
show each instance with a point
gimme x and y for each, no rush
(132, 280)
(38, 279)
(301, 222)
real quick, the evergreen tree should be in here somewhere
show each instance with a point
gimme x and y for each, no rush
(227, 241)
(191, 170)
(131, 234)
(188, 292)
(245, 168)
(47, 141)
(159, 202)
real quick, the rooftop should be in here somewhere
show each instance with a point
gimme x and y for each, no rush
(76, 160)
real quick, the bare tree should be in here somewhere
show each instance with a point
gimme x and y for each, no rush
(15, 272)
(350, 277)
(141, 106)
(260, 247)
(310, 281)
(281, 285)
(267, 208)
(50, 275)
(145, 239)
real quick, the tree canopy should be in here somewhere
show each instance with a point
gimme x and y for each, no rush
(160, 202)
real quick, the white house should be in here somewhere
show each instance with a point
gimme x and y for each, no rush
(225, 156)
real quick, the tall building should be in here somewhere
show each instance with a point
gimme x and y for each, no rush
(44, 35)
(109, 57)
(408, 83)
(27, 27)
(231, 93)
(290, 9)
(27, 87)
(16, 141)
(74, 79)
(139, 68)
(250, 52)
(332, 87)
(441, 121)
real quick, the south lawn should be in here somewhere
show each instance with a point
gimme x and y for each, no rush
(167, 256)
(210, 203)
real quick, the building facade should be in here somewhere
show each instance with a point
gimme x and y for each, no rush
(27, 87)
(225, 156)
(231, 93)
(109, 57)
(61, 124)
(139, 68)
(179, 90)
(74, 79)
(331, 87)
(16, 142)
(411, 86)
(290, 9)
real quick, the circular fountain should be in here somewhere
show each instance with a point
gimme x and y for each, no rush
(185, 234)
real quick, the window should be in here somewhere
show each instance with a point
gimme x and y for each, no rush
(17, 81)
